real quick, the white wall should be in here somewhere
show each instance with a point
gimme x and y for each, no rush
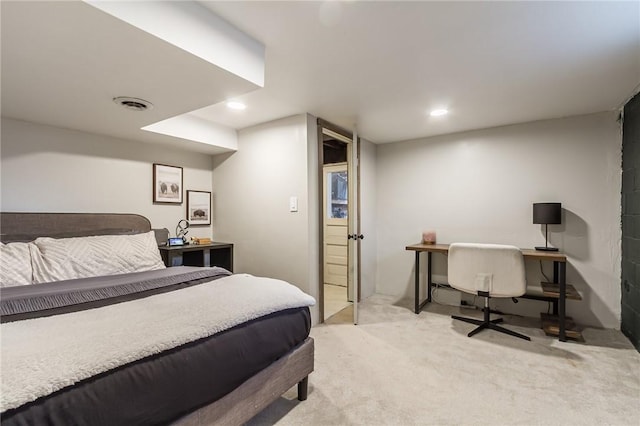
(49, 169)
(474, 186)
(251, 190)
(479, 186)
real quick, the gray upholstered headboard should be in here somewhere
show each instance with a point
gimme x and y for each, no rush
(29, 226)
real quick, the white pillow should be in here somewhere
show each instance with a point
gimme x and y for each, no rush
(69, 258)
(15, 264)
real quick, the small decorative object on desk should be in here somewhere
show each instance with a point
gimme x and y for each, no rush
(200, 241)
(429, 237)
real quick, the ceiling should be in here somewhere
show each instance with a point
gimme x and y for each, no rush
(379, 67)
(63, 62)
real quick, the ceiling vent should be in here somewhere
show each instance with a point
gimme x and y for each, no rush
(134, 104)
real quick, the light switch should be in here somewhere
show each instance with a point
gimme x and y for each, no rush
(293, 204)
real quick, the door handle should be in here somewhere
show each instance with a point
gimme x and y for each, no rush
(355, 237)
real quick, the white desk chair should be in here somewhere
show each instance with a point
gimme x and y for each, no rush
(487, 270)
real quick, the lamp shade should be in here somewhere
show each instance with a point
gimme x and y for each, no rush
(547, 213)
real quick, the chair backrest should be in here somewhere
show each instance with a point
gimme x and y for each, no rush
(493, 268)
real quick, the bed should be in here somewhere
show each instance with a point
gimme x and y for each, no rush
(182, 346)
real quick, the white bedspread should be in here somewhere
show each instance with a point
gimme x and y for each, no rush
(43, 355)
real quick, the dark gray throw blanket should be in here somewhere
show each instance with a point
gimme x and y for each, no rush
(38, 300)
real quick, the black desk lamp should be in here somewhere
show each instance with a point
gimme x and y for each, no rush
(547, 214)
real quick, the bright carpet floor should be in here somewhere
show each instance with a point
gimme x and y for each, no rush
(398, 368)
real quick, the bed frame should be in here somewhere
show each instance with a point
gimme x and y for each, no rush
(259, 391)
(238, 406)
(29, 226)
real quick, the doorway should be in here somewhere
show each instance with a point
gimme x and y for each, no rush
(338, 227)
(335, 247)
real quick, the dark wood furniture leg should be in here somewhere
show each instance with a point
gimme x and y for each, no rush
(172, 258)
(416, 299)
(303, 389)
(206, 257)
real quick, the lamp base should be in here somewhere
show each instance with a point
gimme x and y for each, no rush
(546, 249)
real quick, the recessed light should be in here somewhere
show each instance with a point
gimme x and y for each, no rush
(438, 112)
(236, 105)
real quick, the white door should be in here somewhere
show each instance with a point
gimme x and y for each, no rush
(354, 225)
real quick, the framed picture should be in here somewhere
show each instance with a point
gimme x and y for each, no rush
(167, 184)
(199, 207)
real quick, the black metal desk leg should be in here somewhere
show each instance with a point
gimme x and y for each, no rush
(417, 283)
(555, 280)
(429, 277)
(562, 280)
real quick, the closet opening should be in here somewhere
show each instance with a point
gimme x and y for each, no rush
(339, 227)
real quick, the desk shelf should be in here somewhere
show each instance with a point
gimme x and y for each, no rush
(553, 290)
(550, 327)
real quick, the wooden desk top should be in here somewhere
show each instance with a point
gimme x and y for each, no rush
(553, 256)
(434, 248)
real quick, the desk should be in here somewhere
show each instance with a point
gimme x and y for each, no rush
(214, 254)
(559, 277)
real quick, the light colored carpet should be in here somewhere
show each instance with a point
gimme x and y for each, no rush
(398, 368)
(335, 299)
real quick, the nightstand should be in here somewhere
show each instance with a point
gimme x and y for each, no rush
(214, 254)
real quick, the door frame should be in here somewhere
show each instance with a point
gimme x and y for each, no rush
(323, 124)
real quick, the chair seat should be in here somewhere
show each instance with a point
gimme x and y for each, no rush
(493, 268)
(487, 270)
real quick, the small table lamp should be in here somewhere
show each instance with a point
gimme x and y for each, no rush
(547, 214)
(182, 230)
